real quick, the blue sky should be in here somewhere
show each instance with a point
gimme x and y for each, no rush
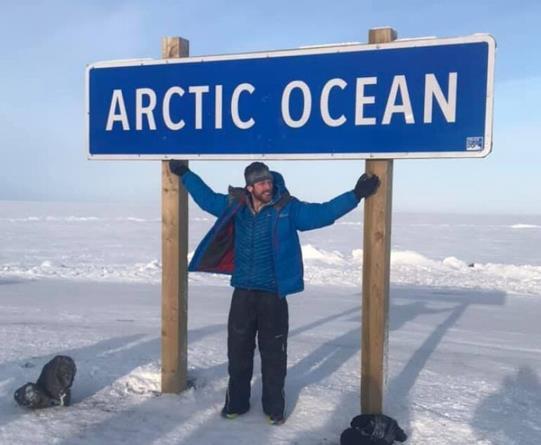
(45, 46)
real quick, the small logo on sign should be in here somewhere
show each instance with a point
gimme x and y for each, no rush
(474, 143)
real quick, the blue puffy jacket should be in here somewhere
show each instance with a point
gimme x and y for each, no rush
(216, 253)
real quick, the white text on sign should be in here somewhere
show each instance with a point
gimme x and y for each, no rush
(397, 102)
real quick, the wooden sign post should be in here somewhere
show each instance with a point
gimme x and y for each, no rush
(376, 272)
(174, 262)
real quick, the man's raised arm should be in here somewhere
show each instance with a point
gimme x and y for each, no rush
(308, 216)
(210, 201)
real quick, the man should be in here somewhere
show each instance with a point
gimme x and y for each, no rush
(255, 240)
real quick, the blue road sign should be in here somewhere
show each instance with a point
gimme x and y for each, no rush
(407, 99)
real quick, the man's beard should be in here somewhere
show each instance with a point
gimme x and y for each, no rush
(263, 197)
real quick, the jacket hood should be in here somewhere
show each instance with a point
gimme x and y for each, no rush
(279, 188)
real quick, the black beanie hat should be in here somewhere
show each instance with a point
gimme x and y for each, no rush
(256, 172)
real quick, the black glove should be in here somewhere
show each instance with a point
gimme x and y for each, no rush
(376, 429)
(366, 186)
(178, 167)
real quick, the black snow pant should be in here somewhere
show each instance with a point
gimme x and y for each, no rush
(265, 314)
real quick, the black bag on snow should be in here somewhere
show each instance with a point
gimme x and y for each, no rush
(53, 386)
(372, 429)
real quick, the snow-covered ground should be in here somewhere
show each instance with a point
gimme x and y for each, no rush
(464, 354)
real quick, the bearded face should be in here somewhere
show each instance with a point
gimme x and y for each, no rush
(261, 191)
